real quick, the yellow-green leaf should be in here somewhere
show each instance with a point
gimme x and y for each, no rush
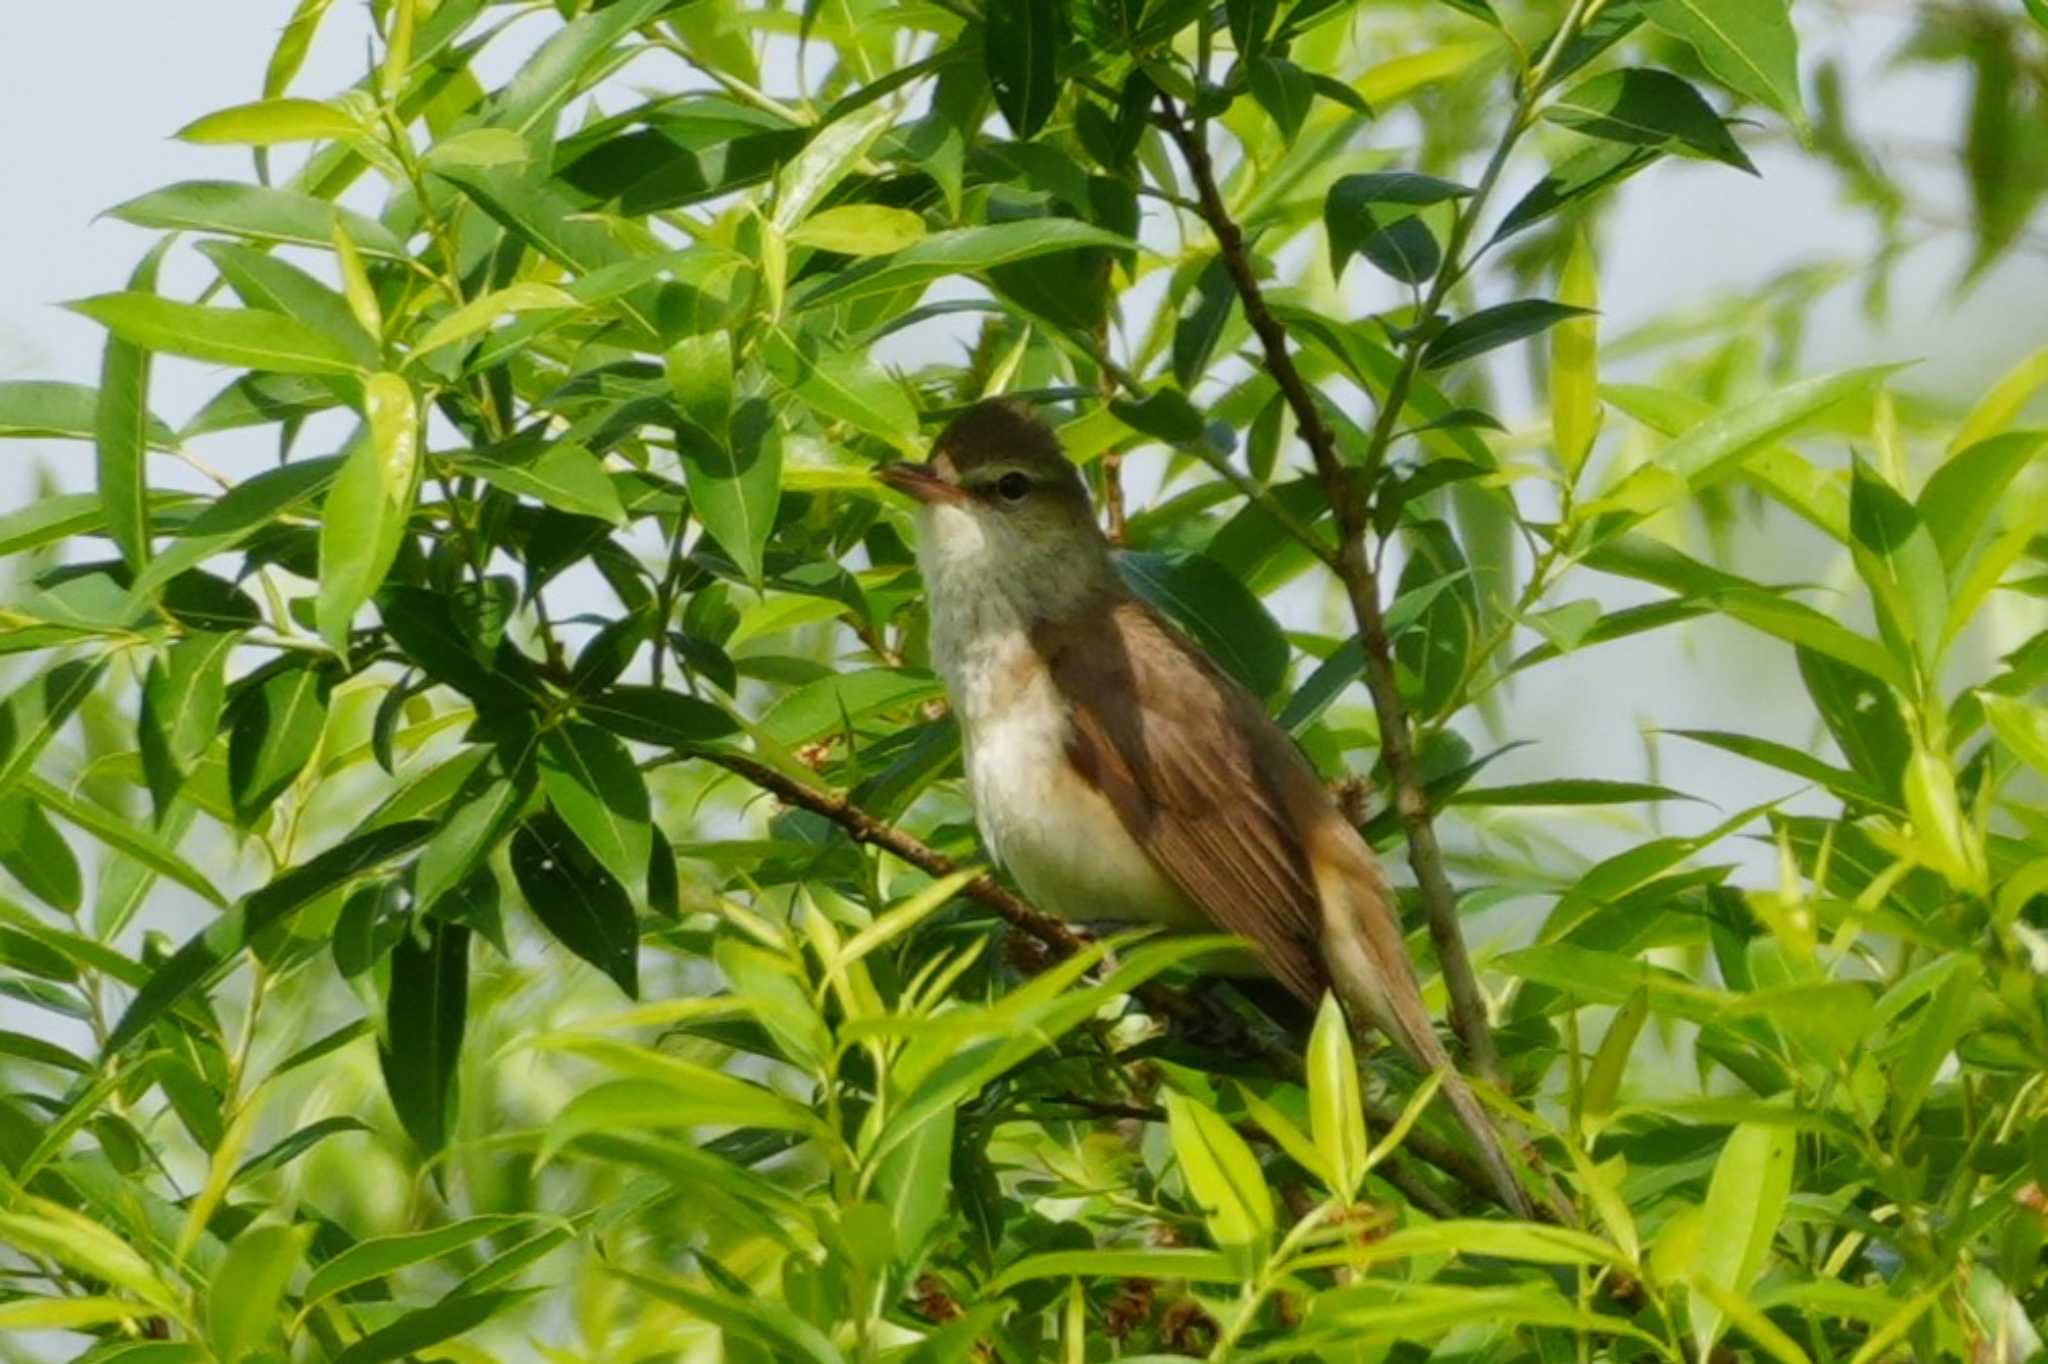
(1745, 1199)
(1574, 362)
(1222, 1175)
(1335, 1111)
(2020, 725)
(266, 122)
(2001, 403)
(860, 230)
(478, 315)
(248, 1285)
(355, 281)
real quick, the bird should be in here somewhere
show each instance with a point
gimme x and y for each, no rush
(1116, 771)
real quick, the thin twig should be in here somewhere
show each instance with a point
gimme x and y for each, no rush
(863, 827)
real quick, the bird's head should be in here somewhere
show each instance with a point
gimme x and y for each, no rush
(1004, 509)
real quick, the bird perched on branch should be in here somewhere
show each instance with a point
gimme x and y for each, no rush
(1117, 772)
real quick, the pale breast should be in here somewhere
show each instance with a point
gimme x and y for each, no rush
(1040, 819)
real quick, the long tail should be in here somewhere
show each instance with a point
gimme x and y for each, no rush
(1368, 964)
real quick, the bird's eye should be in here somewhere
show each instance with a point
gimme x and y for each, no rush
(1013, 487)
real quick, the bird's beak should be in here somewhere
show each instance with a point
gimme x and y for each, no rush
(920, 482)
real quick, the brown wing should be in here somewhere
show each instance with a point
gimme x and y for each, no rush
(1194, 778)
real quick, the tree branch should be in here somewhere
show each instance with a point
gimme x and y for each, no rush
(863, 827)
(1354, 570)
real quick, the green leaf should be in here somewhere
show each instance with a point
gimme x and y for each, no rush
(1577, 177)
(1960, 495)
(1336, 1112)
(252, 338)
(823, 706)
(2021, 726)
(1637, 556)
(238, 514)
(964, 250)
(657, 715)
(480, 314)
(417, 1330)
(686, 1095)
(44, 409)
(1283, 90)
(36, 854)
(1211, 304)
(262, 279)
(1849, 785)
(278, 902)
(596, 788)
(736, 485)
(1575, 362)
(1899, 563)
(700, 374)
(1217, 610)
(242, 1306)
(1566, 626)
(860, 230)
(290, 1148)
(421, 1050)
(2002, 403)
(1610, 1063)
(1492, 327)
(364, 518)
(267, 122)
(1745, 1199)
(1361, 207)
(1021, 42)
(122, 835)
(1164, 414)
(492, 797)
(553, 74)
(1933, 1037)
(378, 1256)
(1754, 1324)
(42, 1228)
(577, 900)
(1749, 46)
(276, 728)
(121, 430)
(70, 1314)
(37, 710)
(1863, 715)
(1648, 109)
(556, 473)
(241, 210)
(292, 43)
(835, 149)
(1250, 21)
(845, 385)
(1222, 1175)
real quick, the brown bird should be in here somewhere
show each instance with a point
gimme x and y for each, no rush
(1116, 771)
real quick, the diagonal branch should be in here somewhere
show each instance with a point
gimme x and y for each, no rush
(1354, 569)
(863, 827)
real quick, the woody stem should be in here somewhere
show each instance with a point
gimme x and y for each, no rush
(1353, 567)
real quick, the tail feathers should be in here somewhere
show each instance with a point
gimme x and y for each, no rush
(1368, 964)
